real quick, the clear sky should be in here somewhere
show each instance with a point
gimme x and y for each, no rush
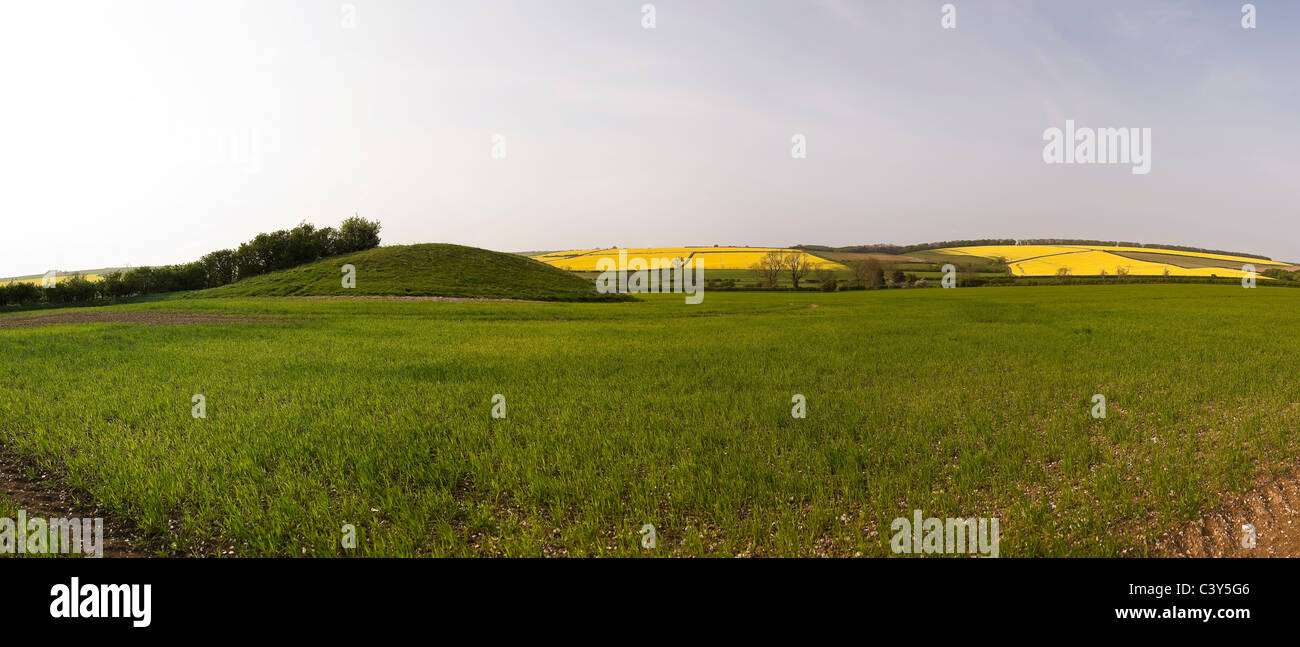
(145, 133)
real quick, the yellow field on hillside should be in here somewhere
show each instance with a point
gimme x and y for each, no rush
(37, 280)
(1087, 260)
(714, 258)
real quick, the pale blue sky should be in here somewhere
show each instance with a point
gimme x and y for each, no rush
(118, 121)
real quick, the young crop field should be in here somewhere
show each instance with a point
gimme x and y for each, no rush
(378, 413)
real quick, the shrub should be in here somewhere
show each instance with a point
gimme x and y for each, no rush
(111, 286)
(826, 278)
(19, 294)
(357, 234)
(219, 268)
(77, 289)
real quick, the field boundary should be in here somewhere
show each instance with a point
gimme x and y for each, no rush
(1271, 506)
(45, 497)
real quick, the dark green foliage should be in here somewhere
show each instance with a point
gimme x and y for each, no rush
(267, 252)
(357, 234)
(19, 294)
(1280, 274)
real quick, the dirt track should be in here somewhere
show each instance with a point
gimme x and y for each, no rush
(40, 499)
(1272, 507)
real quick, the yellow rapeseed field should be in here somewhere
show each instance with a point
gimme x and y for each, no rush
(714, 258)
(1087, 260)
(37, 280)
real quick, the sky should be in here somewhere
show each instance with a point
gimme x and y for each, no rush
(147, 133)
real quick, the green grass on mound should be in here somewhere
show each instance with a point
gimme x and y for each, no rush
(423, 270)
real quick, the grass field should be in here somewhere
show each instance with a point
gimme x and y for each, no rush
(377, 414)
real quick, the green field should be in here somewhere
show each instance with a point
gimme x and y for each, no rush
(377, 413)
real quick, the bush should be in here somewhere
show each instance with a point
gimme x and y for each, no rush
(357, 234)
(78, 290)
(219, 268)
(19, 294)
(74, 289)
(827, 280)
(111, 286)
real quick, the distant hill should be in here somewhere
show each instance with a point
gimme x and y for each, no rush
(93, 275)
(885, 248)
(423, 270)
(1103, 260)
(713, 257)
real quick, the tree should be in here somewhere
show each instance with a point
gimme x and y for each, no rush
(1001, 264)
(826, 278)
(303, 245)
(219, 268)
(768, 268)
(868, 272)
(965, 272)
(796, 264)
(78, 289)
(111, 286)
(1062, 272)
(357, 234)
(20, 293)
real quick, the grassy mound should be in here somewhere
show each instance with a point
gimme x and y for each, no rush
(423, 270)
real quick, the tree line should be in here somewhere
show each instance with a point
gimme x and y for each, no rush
(266, 252)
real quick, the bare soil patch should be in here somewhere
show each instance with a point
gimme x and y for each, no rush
(1272, 507)
(38, 498)
(146, 317)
